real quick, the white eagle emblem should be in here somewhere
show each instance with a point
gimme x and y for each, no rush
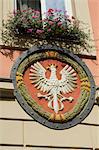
(54, 87)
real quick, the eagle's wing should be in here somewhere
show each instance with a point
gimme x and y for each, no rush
(37, 75)
(68, 80)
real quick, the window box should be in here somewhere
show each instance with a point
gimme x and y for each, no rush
(26, 28)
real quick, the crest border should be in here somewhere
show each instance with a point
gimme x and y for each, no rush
(35, 115)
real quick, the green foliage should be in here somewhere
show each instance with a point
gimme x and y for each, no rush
(25, 28)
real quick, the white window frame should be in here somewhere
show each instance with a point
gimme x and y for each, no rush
(68, 7)
(15, 5)
(43, 8)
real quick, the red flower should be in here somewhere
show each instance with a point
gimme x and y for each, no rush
(50, 10)
(49, 30)
(39, 31)
(51, 22)
(34, 17)
(59, 23)
(29, 30)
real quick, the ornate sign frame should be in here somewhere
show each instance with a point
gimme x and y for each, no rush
(84, 103)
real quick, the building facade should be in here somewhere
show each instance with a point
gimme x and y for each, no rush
(17, 129)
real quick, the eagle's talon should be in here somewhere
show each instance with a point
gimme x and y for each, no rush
(70, 99)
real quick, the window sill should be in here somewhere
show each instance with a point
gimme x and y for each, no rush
(3, 47)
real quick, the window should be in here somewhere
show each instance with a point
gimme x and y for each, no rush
(44, 5)
(24, 4)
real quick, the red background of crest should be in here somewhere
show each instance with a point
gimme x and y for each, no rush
(44, 103)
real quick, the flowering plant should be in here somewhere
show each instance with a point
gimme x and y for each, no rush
(27, 26)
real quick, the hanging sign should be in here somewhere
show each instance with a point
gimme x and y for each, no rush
(53, 86)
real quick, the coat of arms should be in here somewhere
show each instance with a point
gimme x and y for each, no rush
(53, 86)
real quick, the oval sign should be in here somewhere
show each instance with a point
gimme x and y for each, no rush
(53, 86)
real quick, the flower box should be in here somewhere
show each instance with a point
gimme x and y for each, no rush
(27, 27)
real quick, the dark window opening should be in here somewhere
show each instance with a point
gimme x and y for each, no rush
(25, 4)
